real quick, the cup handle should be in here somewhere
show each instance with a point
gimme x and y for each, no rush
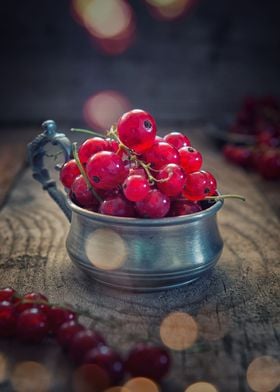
(36, 155)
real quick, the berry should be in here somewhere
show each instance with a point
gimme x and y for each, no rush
(7, 319)
(107, 359)
(58, 316)
(117, 206)
(67, 331)
(32, 326)
(82, 342)
(137, 130)
(238, 154)
(148, 361)
(183, 207)
(160, 154)
(212, 183)
(269, 164)
(136, 187)
(177, 140)
(68, 173)
(174, 180)
(7, 294)
(191, 159)
(106, 170)
(155, 205)
(138, 171)
(81, 194)
(196, 186)
(32, 300)
(90, 147)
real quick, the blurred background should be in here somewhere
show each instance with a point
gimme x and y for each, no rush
(84, 62)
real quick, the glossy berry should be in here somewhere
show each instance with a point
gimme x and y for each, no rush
(137, 130)
(82, 342)
(58, 316)
(196, 186)
(90, 147)
(160, 154)
(32, 300)
(269, 164)
(171, 180)
(68, 173)
(81, 194)
(106, 359)
(7, 294)
(117, 206)
(177, 140)
(106, 170)
(32, 326)
(7, 319)
(212, 183)
(155, 205)
(183, 207)
(190, 159)
(136, 187)
(148, 361)
(67, 331)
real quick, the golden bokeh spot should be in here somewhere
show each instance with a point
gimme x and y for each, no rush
(3, 368)
(263, 374)
(106, 249)
(201, 387)
(141, 384)
(90, 378)
(169, 9)
(31, 376)
(212, 326)
(178, 331)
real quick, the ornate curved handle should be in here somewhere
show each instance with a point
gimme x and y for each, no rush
(36, 154)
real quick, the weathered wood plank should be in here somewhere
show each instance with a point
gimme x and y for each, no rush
(237, 308)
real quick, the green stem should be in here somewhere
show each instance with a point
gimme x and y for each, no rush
(83, 173)
(222, 197)
(80, 130)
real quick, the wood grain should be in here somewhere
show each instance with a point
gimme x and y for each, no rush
(236, 308)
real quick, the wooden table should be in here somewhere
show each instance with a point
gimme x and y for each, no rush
(236, 309)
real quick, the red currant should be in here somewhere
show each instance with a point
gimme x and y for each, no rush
(183, 207)
(106, 170)
(212, 183)
(238, 154)
(269, 164)
(7, 294)
(196, 186)
(82, 342)
(155, 205)
(81, 194)
(160, 154)
(69, 172)
(136, 187)
(32, 300)
(174, 180)
(117, 206)
(58, 316)
(177, 140)
(137, 130)
(90, 147)
(191, 159)
(32, 326)
(7, 319)
(67, 331)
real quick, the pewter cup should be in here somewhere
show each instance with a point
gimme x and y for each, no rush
(132, 253)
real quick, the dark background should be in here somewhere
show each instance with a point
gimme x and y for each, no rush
(192, 70)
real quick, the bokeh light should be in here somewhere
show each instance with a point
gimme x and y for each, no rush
(141, 384)
(201, 387)
(178, 331)
(31, 376)
(263, 374)
(170, 9)
(117, 389)
(104, 109)
(3, 368)
(212, 326)
(110, 23)
(90, 378)
(106, 249)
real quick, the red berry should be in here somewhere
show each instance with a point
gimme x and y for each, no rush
(137, 130)
(106, 170)
(81, 194)
(174, 180)
(32, 326)
(32, 300)
(137, 171)
(238, 154)
(196, 186)
(269, 164)
(136, 187)
(148, 361)
(7, 294)
(68, 173)
(191, 159)
(212, 183)
(90, 147)
(113, 145)
(67, 331)
(155, 205)
(183, 207)
(7, 319)
(117, 206)
(82, 342)
(58, 316)
(106, 359)
(177, 140)
(160, 154)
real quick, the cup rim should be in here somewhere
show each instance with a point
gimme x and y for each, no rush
(166, 221)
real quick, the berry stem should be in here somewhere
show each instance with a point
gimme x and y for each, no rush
(83, 173)
(80, 130)
(222, 197)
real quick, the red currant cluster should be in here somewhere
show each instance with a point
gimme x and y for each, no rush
(31, 318)
(135, 173)
(257, 123)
